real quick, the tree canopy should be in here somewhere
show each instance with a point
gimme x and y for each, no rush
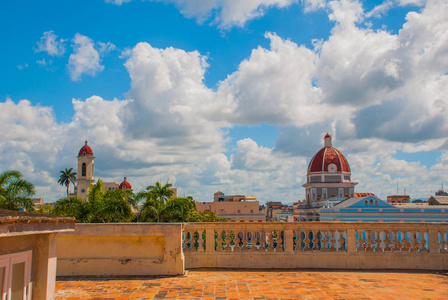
(15, 192)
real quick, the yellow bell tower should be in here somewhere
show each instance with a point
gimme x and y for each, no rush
(85, 171)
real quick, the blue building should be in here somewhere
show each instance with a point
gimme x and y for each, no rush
(373, 209)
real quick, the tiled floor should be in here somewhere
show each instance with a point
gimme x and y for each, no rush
(227, 284)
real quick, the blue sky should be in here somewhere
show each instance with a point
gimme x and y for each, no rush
(225, 95)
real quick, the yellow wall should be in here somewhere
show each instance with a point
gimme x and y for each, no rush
(121, 249)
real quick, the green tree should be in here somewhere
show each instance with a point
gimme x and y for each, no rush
(173, 210)
(73, 206)
(15, 192)
(66, 177)
(157, 192)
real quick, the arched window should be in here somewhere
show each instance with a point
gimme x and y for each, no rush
(371, 202)
(84, 167)
(365, 202)
(376, 202)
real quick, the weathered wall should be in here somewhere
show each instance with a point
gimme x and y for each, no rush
(121, 249)
(43, 247)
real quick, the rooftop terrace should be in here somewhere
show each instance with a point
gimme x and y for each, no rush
(279, 284)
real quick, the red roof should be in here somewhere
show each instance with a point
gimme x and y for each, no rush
(326, 156)
(85, 150)
(358, 195)
(125, 185)
(327, 136)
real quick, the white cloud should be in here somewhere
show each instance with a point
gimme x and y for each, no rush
(50, 43)
(377, 93)
(85, 59)
(21, 67)
(44, 62)
(224, 13)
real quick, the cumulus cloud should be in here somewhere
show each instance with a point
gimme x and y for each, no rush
(377, 93)
(224, 13)
(50, 43)
(85, 58)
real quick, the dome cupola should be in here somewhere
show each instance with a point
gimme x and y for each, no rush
(125, 185)
(85, 150)
(328, 161)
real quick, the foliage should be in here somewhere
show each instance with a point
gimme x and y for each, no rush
(173, 210)
(66, 177)
(15, 192)
(111, 206)
(45, 209)
(204, 216)
(156, 192)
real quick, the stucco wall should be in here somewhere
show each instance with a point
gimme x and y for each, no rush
(121, 249)
(43, 247)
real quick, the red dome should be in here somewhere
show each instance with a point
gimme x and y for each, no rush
(125, 185)
(328, 156)
(85, 150)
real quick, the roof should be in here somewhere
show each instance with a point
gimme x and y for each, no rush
(125, 185)
(441, 199)
(85, 150)
(327, 136)
(357, 195)
(352, 202)
(327, 156)
(17, 222)
(251, 197)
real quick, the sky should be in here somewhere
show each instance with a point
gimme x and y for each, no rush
(226, 95)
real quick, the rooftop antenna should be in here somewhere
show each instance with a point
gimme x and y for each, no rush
(405, 191)
(397, 186)
(442, 186)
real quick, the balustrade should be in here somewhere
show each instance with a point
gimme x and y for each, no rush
(314, 237)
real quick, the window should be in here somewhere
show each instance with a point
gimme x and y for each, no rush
(251, 211)
(376, 202)
(366, 202)
(84, 167)
(370, 202)
(15, 275)
(239, 211)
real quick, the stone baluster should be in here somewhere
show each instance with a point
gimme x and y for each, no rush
(267, 242)
(200, 241)
(375, 241)
(369, 241)
(258, 241)
(186, 241)
(392, 241)
(421, 242)
(362, 245)
(332, 241)
(233, 240)
(316, 240)
(220, 241)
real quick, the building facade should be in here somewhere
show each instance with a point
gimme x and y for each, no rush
(373, 209)
(328, 175)
(237, 208)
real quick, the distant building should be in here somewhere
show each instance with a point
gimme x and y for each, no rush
(277, 212)
(328, 175)
(328, 181)
(373, 209)
(85, 174)
(237, 208)
(438, 200)
(37, 201)
(398, 199)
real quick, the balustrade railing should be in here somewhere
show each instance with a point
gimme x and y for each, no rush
(315, 237)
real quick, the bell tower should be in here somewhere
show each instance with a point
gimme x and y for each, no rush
(85, 171)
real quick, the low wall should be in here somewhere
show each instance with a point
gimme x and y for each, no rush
(319, 245)
(121, 249)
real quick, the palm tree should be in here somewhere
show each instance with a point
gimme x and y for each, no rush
(157, 192)
(15, 192)
(101, 206)
(173, 210)
(66, 177)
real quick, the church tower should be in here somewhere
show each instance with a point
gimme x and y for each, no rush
(85, 171)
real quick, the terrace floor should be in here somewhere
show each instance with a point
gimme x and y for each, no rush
(254, 284)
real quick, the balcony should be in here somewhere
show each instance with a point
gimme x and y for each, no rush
(206, 259)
